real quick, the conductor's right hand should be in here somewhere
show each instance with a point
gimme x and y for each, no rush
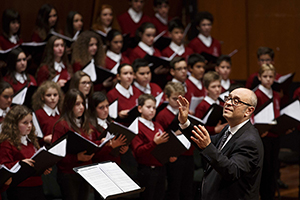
(81, 156)
(183, 109)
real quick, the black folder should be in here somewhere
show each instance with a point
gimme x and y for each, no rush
(283, 83)
(162, 42)
(210, 58)
(108, 179)
(173, 148)
(117, 129)
(101, 73)
(155, 62)
(69, 41)
(129, 42)
(77, 143)
(23, 97)
(6, 173)
(215, 113)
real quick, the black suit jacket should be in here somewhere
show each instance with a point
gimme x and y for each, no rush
(235, 171)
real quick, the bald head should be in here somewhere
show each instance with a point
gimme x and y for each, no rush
(236, 114)
(248, 95)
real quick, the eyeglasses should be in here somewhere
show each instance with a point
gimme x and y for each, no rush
(235, 101)
(86, 83)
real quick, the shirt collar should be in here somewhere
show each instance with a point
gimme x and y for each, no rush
(136, 17)
(107, 29)
(147, 123)
(4, 112)
(172, 110)
(125, 92)
(177, 49)
(149, 50)
(24, 140)
(49, 111)
(102, 123)
(234, 129)
(211, 101)
(78, 122)
(59, 66)
(225, 84)
(161, 19)
(20, 77)
(196, 82)
(206, 40)
(13, 39)
(268, 92)
(146, 90)
(177, 81)
(115, 57)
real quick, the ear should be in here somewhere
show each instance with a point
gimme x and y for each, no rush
(172, 71)
(140, 109)
(249, 111)
(118, 77)
(167, 98)
(259, 77)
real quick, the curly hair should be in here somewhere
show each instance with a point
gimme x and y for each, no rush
(80, 52)
(37, 98)
(97, 25)
(48, 57)
(67, 111)
(10, 129)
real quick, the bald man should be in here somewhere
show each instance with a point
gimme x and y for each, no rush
(235, 155)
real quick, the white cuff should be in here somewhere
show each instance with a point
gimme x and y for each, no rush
(185, 125)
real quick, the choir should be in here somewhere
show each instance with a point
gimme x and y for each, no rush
(130, 47)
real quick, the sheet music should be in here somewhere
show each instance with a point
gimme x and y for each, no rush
(195, 102)
(20, 97)
(113, 109)
(284, 78)
(265, 116)
(38, 131)
(114, 70)
(159, 35)
(207, 115)
(222, 96)
(119, 177)
(55, 79)
(59, 149)
(98, 180)
(186, 143)
(91, 71)
(158, 99)
(292, 110)
(34, 44)
(134, 126)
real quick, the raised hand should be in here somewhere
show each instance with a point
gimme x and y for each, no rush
(183, 109)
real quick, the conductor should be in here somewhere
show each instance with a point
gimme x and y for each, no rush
(235, 155)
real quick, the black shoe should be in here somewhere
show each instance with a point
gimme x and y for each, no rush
(282, 184)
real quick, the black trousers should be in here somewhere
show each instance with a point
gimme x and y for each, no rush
(73, 186)
(270, 168)
(25, 193)
(180, 176)
(153, 179)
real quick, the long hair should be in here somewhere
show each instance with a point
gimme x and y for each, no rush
(11, 65)
(42, 23)
(69, 31)
(111, 35)
(97, 97)
(67, 111)
(97, 24)
(80, 49)
(37, 98)
(48, 57)
(10, 130)
(75, 80)
(10, 15)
